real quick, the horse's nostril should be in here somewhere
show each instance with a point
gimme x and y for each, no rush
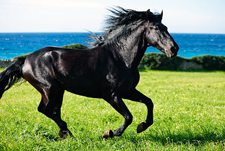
(174, 49)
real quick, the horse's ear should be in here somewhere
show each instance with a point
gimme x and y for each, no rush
(161, 15)
(148, 13)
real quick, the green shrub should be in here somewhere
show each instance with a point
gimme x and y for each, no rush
(210, 62)
(21, 56)
(72, 46)
(158, 61)
(75, 46)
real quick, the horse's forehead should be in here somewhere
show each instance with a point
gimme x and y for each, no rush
(155, 23)
(160, 25)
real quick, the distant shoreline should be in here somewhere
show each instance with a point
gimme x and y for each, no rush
(191, 45)
(5, 63)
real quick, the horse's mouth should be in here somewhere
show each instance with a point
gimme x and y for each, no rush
(172, 52)
(171, 55)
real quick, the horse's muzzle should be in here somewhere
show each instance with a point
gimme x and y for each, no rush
(172, 52)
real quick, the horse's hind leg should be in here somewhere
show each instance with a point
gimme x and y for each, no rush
(50, 106)
(137, 96)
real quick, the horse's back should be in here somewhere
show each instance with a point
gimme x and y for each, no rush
(59, 57)
(76, 71)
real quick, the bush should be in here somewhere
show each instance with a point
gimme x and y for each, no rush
(210, 62)
(72, 46)
(158, 61)
(21, 56)
(75, 46)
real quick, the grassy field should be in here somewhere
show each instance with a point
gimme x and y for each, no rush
(189, 114)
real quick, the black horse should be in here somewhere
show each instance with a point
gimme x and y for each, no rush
(109, 70)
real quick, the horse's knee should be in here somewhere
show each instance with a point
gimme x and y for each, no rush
(150, 104)
(129, 119)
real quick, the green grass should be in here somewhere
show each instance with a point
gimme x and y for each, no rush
(189, 114)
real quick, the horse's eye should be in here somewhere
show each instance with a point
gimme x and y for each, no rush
(154, 27)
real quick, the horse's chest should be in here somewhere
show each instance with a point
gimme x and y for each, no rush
(120, 82)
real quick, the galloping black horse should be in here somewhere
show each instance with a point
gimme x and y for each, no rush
(109, 70)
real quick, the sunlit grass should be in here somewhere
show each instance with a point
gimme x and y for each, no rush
(189, 114)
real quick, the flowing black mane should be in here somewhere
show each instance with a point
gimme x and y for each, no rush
(123, 16)
(120, 21)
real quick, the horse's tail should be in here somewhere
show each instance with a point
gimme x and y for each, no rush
(11, 75)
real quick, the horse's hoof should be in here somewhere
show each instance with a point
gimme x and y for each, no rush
(63, 134)
(107, 134)
(142, 127)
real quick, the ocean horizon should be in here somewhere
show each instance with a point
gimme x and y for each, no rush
(191, 44)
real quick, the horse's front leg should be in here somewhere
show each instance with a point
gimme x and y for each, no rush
(137, 96)
(117, 103)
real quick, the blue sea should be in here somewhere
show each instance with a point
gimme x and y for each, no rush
(15, 44)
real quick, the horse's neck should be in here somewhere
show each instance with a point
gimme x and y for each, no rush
(132, 48)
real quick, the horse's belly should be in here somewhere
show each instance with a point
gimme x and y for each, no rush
(84, 88)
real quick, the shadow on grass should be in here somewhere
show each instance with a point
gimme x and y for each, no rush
(191, 138)
(205, 71)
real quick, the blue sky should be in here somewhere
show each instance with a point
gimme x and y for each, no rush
(180, 16)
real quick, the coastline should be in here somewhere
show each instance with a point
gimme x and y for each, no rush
(5, 63)
(185, 65)
(158, 61)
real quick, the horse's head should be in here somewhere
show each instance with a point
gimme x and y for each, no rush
(158, 36)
